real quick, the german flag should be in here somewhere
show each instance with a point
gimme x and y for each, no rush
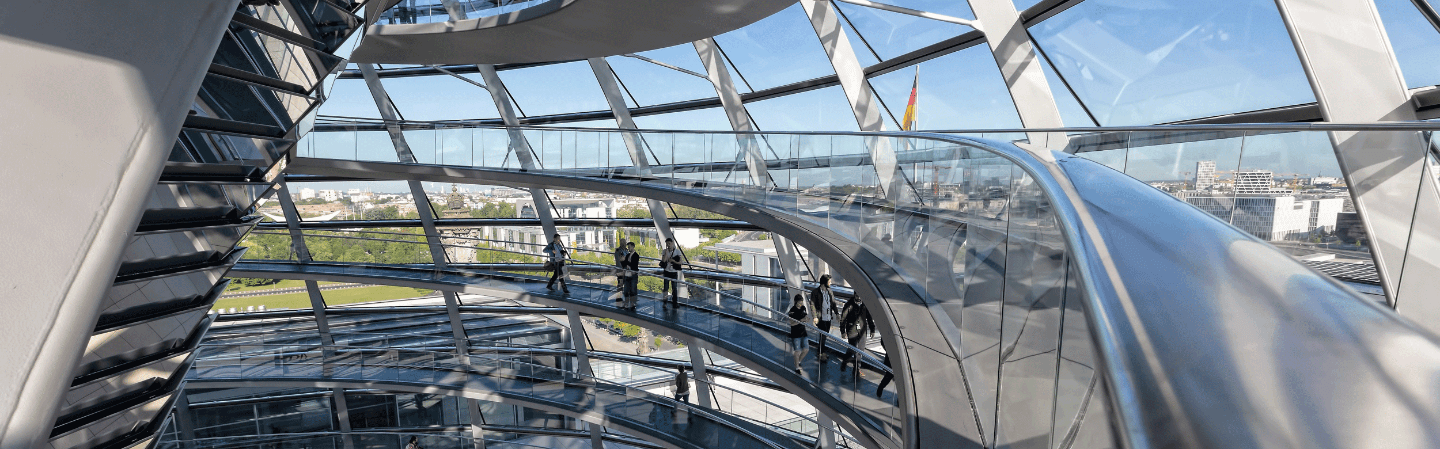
(908, 123)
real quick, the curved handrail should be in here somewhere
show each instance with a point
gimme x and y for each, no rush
(1138, 346)
(467, 364)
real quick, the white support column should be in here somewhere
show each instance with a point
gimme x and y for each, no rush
(826, 22)
(582, 361)
(633, 143)
(1351, 67)
(1021, 69)
(827, 431)
(702, 378)
(185, 421)
(518, 144)
(719, 76)
(422, 202)
(342, 414)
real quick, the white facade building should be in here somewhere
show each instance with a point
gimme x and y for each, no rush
(307, 193)
(1273, 218)
(330, 195)
(1254, 182)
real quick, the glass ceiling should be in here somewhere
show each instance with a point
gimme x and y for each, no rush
(1108, 62)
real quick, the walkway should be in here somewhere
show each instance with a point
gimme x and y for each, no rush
(742, 335)
(506, 381)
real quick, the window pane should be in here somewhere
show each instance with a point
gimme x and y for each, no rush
(1169, 60)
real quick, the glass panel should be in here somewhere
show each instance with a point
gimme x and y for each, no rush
(437, 97)
(555, 89)
(652, 84)
(350, 98)
(708, 119)
(777, 50)
(1171, 60)
(817, 110)
(1414, 40)
(985, 270)
(1034, 294)
(957, 91)
(893, 34)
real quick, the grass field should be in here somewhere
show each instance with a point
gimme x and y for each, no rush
(332, 297)
(285, 283)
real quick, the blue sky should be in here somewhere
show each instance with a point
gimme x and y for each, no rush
(1129, 61)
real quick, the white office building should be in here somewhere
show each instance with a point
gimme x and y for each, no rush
(1273, 218)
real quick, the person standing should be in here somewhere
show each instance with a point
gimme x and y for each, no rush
(619, 273)
(823, 300)
(670, 265)
(856, 324)
(682, 386)
(631, 267)
(798, 333)
(557, 252)
(414, 444)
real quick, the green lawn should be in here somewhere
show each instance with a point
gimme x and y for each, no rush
(285, 283)
(332, 297)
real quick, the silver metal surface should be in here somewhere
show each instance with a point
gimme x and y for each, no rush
(1014, 54)
(1356, 78)
(59, 268)
(560, 30)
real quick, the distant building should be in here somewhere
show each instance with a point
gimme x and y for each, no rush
(1272, 217)
(1204, 175)
(330, 195)
(1254, 182)
(307, 193)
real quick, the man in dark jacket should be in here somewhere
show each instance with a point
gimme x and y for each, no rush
(856, 324)
(682, 386)
(798, 333)
(631, 267)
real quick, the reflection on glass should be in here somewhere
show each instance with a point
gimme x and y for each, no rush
(1171, 60)
(960, 90)
(777, 50)
(893, 34)
(1414, 40)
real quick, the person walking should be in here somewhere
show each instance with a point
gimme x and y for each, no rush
(414, 444)
(823, 300)
(557, 252)
(682, 386)
(631, 267)
(885, 380)
(798, 333)
(856, 324)
(619, 273)
(670, 261)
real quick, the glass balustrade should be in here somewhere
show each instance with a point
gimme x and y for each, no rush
(512, 376)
